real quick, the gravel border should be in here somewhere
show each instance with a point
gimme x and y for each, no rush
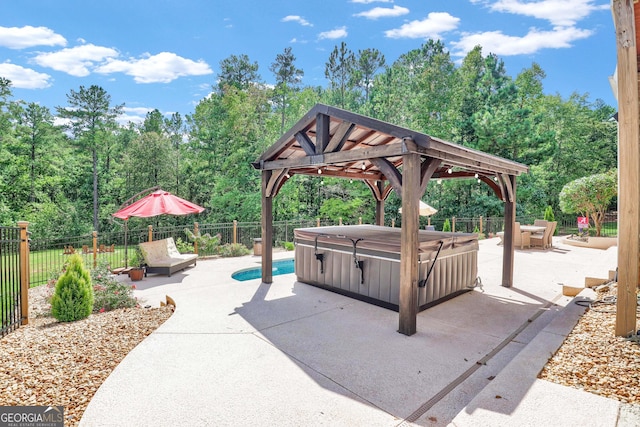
(52, 363)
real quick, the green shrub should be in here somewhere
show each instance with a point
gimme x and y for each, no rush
(548, 214)
(184, 247)
(476, 230)
(288, 246)
(447, 225)
(73, 297)
(136, 259)
(233, 250)
(206, 243)
(109, 294)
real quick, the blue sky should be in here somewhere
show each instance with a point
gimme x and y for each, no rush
(165, 54)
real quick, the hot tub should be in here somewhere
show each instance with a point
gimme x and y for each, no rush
(363, 261)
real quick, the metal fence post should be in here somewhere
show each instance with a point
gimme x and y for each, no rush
(196, 231)
(480, 224)
(24, 271)
(235, 231)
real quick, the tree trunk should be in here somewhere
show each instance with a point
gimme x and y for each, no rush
(95, 189)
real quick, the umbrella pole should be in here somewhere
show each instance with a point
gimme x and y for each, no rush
(126, 261)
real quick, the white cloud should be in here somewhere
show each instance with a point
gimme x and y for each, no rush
(503, 45)
(24, 78)
(428, 28)
(559, 12)
(161, 68)
(76, 61)
(299, 19)
(383, 12)
(334, 34)
(28, 36)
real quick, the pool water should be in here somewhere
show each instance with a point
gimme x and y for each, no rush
(284, 266)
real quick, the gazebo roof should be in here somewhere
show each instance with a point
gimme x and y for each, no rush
(345, 144)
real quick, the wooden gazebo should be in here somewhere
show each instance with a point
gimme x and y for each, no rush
(329, 141)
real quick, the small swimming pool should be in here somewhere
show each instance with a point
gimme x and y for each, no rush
(284, 266)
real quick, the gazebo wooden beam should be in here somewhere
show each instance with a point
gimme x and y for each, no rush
(342, 134)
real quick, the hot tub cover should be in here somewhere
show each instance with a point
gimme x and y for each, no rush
(384, 239)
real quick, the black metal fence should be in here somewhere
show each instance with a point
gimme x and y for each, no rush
(567, 224)
(49, 255)
(10, 295)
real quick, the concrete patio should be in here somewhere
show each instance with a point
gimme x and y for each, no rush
(245, 353)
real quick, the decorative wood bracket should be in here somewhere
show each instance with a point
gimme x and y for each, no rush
(277, 179)
(390, 172)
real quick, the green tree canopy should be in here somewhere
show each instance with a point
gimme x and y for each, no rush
(590, 196)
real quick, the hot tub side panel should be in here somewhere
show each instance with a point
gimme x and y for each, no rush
(455, 271)
(452, 275)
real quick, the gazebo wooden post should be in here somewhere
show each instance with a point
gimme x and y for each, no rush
(267, 229)
(379, 212)
(508, 250)
(628, 167)
(408, 299)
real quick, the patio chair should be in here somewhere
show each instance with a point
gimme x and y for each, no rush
(101, 249)
(542, 239)
(553, 225)
(540, 222)
(85, 249)
(521, 238)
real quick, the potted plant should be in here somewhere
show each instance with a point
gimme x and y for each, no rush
(136, 261)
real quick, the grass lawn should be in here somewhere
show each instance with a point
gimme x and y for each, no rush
(47, 264)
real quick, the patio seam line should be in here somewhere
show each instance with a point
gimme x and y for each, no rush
(479, 364)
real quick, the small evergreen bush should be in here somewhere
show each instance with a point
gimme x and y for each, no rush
(73, 297)
(549, 216)
(447, 225)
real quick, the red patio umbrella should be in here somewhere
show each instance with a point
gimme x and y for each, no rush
(159, 202)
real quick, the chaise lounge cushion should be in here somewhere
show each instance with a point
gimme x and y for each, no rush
(162, 256)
